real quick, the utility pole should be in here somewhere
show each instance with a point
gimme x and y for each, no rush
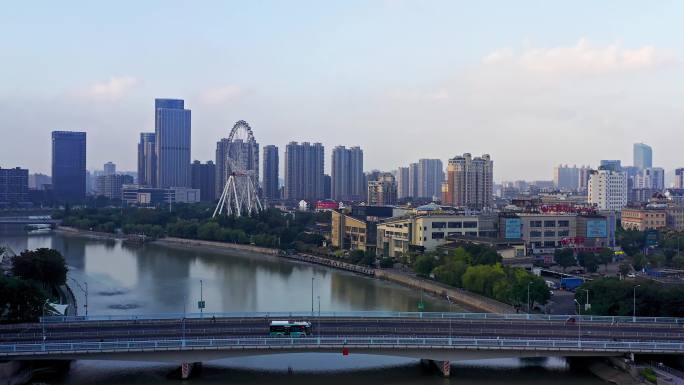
(319, 317)
(312, 296)
(201, 301)
(528, 298)
(586, 304)
(579, 324)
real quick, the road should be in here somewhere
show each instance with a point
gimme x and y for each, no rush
(107, 331)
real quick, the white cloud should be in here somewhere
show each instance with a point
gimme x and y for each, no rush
(220, 94)
(582, 58)
(113, 89)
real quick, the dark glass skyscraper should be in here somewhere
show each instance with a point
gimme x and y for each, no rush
(69, 166)
(147, 160)
(204, 179)
(270, 180)
(13, 187)
(172, 134)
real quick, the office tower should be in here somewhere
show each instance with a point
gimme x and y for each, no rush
(430, 177)
(679, 178)
(402, 179)
(270, 179)
(650, 178)
(69, 166)
(470, 181)
(347, 179)
(109, 168)
(237, 155)
(304, 170)
(643, 156)
(13, 187)
(566, 178)
(611, 164)
(38, 181)
(111, 185)
(382, 191)
(608, 189)
(203, 176)
(413, 180)
(172, 143)
(147, 160)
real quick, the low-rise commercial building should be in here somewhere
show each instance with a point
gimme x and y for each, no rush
(111, 185)
(147, 196)
(643, 218)
(355, 228)
(428, 230)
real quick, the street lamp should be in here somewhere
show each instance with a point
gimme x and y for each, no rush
(634, 304)
(579, 323)
(312, 296)
(528, 297)
(85, 292)
(319, 316)
(42, 321)
(586, 304)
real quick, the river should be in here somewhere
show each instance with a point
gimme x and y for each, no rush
(133, 279)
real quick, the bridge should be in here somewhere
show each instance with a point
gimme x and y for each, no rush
(34, 220)
(439, 337)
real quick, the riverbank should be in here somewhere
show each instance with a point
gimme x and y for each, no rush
(472, 301)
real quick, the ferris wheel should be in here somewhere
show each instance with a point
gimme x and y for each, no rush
(240, 195)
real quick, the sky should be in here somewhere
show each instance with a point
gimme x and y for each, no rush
(532, 83)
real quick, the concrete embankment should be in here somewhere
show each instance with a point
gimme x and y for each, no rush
(472, 300)
(216, 245)
(331, 263)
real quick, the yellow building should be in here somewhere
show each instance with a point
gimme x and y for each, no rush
(347, 232)
(642, 219)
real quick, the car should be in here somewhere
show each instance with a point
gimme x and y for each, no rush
(631, 275)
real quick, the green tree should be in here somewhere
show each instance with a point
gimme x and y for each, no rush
(43, 265)
(451, 272)
(565, 258)
(588, 260)
(20, 300)
(624, 268)
(605, 256)
(424, 264)
(678, 261)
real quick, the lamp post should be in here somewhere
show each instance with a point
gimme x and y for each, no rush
(43, 322)
(319, 316)
(312, 296)
(579, 323)
(85, 293)
(586, 304)
(528, 297)
(634, 304)
(201, 302)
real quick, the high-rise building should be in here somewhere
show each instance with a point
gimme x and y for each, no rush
(269, 184)
(566, 178)
(679, 178)
(327, 186)
(611, 164)
(382, 191)
(470, 181)
(13, 187)
(583, 181)
(430, 178)
(147, 160)
(172, 130)
(304, 170)
(69, 166)
(347, 179)
(111, 185)
(643, 156)
(402, 179)
(109, 168)
(203, 176)
(608, 189)
(650, 178)
(239, 155)
(413, 180)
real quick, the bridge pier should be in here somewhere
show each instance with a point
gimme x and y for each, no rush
(187, 368)
(443, 367)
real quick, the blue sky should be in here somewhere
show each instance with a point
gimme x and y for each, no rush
(582, 80)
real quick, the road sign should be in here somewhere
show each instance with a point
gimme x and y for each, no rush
(421, 306)
(201, 304)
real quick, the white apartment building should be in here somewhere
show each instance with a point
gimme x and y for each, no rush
(608, 190)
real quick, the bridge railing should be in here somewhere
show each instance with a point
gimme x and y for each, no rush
(371, 314)
(323, 342)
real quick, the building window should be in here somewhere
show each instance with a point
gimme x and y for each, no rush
(438, 225)
(548, 233)
(535, 223)
(472, 233)
(470, 225)
(535, 234)
(549, 223)
(437, 235)
(563, 223)
(564, 233)
(549, 244)
(455, 225)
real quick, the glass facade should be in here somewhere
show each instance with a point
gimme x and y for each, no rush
(172, 134)
(69, 166)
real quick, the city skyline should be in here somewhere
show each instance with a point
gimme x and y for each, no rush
(587, 93)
